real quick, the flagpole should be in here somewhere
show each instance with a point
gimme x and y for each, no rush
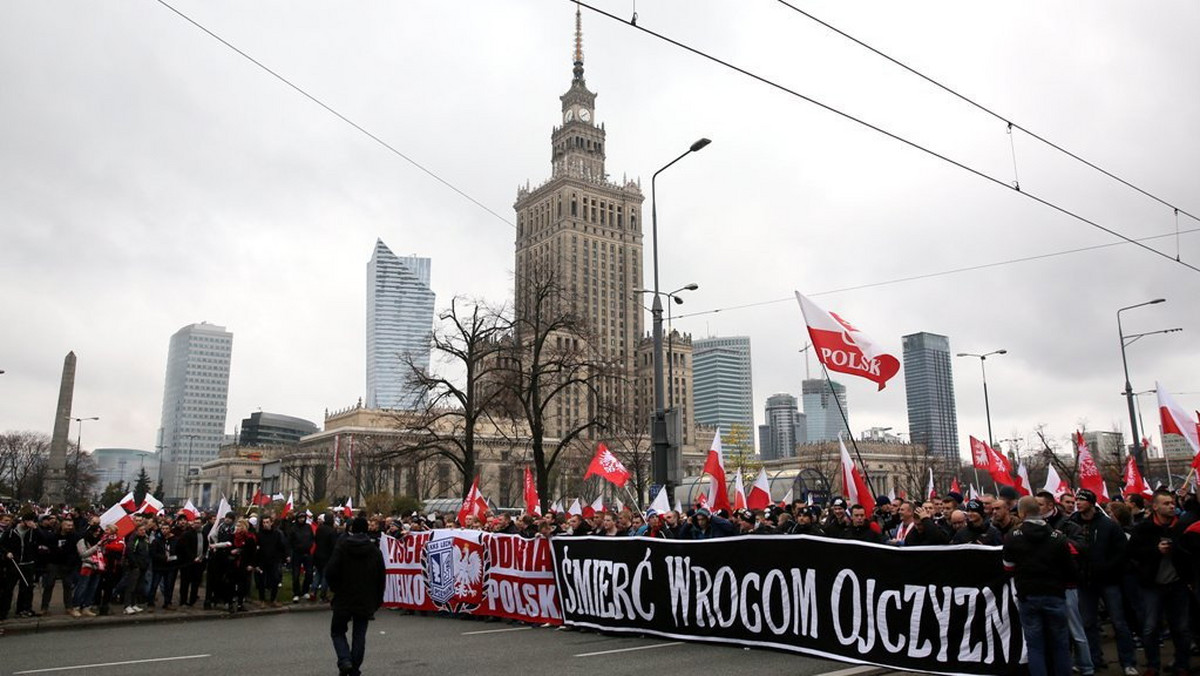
(846, 422)
(636, 503)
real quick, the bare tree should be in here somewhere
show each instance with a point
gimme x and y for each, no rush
(24, 458)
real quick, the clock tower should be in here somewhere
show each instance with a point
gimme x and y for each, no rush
(578, 145)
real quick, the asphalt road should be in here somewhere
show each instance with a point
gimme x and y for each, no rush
(298, 644)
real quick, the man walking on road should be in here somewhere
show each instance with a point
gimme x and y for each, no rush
(356, 577)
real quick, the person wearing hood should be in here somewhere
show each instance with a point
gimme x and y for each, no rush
(356, 575)
(705, 525)
(1039, 559)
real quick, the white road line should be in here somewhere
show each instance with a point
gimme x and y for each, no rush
(626, 650)
(494, 631)
(112, 664)
(850, 672)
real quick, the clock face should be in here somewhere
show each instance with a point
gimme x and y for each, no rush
(569, 115)
(585, 114)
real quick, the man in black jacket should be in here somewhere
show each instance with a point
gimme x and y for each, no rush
(324, 540)
(301, 541)
(18, 551)
(272, 551)
(192, 548)
(1039, 559)
(1102, 562)
(356, 575)
(1163, 572)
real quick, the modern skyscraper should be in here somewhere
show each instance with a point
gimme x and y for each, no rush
(195, 397)
(929, 387)
(821, 410)
(273, 429)
(399, 322)
(723, 390)
(781, 416)
(585, 231)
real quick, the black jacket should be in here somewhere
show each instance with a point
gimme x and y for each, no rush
(137, 551)
(20, 543)
(1039, 559)
(192, 545)
(1103, 555)
(356, 575)
(164, 552)
(272, 548)
(301, 538)
(863, 533)
(1143, 549)
(326, 538)
(985, 535)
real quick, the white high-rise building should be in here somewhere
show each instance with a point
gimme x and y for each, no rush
(723, 389)
(399, 322)
(195, 399)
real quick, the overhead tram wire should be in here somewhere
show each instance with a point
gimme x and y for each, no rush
(989, 111)
(884, 132)
(930, 275)
(338, 115)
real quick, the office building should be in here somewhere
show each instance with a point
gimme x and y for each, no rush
(929, 388)
(723, 389)
(824, 420)
(399, 323)
(273, 429)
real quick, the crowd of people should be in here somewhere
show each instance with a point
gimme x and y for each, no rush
(1132, 563)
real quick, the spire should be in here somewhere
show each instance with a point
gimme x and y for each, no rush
(578, 43)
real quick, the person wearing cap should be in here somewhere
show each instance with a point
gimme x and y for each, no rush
(18, 553)
(836, 521)
(654, 527)
(806, 522)
(356, 575)
(1101, 561)
(705, 525)
(749, 524)
(977, 531)
(1158, 546)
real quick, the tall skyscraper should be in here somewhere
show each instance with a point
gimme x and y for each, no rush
(821, 410)
(195, 398)
(585, 231)
(929, 387)
(399, 322)
(723, 390)
(781, 416)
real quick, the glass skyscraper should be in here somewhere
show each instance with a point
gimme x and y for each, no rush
(929, 387)
(722, 390)
(399, 322)
(195, 400)
(782, 422)
(824, 421)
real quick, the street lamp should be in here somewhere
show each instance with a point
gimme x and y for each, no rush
(79, 444)
(658, 429)
(673, 295)
(1139, 455)
(987, 408)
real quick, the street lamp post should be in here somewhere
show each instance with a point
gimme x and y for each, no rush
(79, 445)
(987, 408)
(1138, 454)
(671, 340)
(658, 428)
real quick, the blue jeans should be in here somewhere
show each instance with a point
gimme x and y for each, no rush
(1083, 654)
(353, 652)
(85, 590)
(1170, 600)
(1044, 623)
(1089, 606)
(164, 578)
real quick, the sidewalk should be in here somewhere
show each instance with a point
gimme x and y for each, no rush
(59, 620)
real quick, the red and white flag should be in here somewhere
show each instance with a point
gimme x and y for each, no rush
(1089, 473)
(1024, 485)
(714, 467)
(605, 464)
(348, 508)
(702, 499)
(930, 491)
(1176, 420)
(760, 492)
(973, 493)
(473, 503)
(739, 490)
(575, 509)
(128, 503)
(678, 507)
(620, 505)
(1134, 483)
(845, 349)
(997, 465)
(557, 507)
(787, 498)
(595, 508)
(532, 504)
(853, 484)
(287, 507)
(660, 504)
(954, 487)
(1055, 484)
(150, 505)
(189, 511)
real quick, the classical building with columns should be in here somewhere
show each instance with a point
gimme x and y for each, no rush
(236, 473)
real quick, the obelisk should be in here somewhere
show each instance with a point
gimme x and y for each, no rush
(56, 471)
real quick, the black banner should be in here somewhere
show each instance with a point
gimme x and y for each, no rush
(949, 610)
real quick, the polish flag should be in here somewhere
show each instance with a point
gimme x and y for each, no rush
(222, 510)
(702, 500)
(150, 506)
(1089, 474)
(620, 505)
(760, 492)
(787, 497)
(714, 467)
(1024, 485)
(997, 466)
(954, 487)
(679, 507)
(595, 508)
(605, 464)
(892, 495)
(189, 511)
(128, 503)
(574, 509)
(979, 455)
(1176, 420)
(1134, 483)
(930, 492)
(557, 507)
(973, 493)
(472, 504)
(532, 504)
(845, 349)
(660, 503)
(113, 514)
(287, 507)
(1054, 484)
(739, 490)
(853, 484)
(348, 508)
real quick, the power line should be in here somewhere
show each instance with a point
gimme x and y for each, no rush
(884, 132)
(930, 275)
(338, 115)
(989, 111)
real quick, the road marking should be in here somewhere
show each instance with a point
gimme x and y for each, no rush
(626, 650)
(112, 664)
(850, 672)
(494, 631)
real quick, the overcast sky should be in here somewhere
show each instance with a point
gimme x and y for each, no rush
(151, 178)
